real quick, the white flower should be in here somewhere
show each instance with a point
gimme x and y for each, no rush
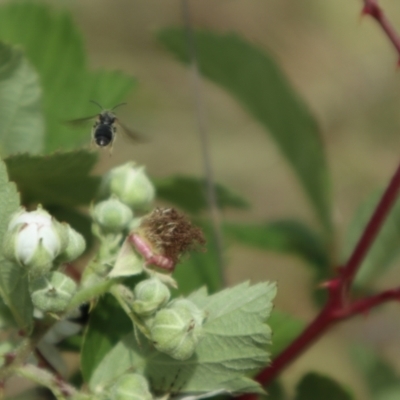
(34, 239)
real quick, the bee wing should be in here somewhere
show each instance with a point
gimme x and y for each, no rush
(133, 135)
(80, 121)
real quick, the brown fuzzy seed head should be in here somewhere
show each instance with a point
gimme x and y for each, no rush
(171, 233)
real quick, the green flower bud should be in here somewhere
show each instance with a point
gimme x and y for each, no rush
(176, 330)
(150, 295)
(52, 293)
(75, 247)
(34, 239)
(131, 387)
(131, 185)
(112, 215)
(186, 305)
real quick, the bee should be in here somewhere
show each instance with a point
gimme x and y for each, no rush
(104, 130)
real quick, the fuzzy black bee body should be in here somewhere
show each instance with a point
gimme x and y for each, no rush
(104, 129)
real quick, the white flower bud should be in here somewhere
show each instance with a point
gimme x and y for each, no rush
(52, 293)
(176, 330)
(34, 239)
(75, 247)
(131, 387)
(131, 185)
(150, 295)
(112, 215)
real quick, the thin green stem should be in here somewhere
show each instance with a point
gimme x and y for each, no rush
(204, 142)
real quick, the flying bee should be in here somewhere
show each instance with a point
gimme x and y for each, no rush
(105, 127)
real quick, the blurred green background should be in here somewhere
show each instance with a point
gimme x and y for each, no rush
(344, 68)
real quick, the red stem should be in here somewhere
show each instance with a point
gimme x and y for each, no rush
(364, 305)
(372, 8)
(339, 307)
(382, 210)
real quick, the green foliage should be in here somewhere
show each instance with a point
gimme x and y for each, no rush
(21, 120)
(385, 249)
(55, 48)
(252, 77)
(202, 267)
(283, 236)
(234, 339)
(59, 179)
(13, 283)
(317, 387)
(101, 335)
(286, 328)
(381, 378)
(189, 194)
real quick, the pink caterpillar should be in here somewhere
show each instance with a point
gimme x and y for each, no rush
(151, 259)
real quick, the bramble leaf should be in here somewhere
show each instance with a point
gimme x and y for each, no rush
(13, 280)
(189, 193)
(234, 343)
(283, 236)
(255, 80)
(107, 324)
(55, 48)
(21, 119)
(286, 328)
(381, 378)
(61, 179)
(317, 387)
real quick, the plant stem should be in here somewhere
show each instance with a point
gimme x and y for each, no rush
(339, 307)
(372, 8)
(205, 146)
(382, 210)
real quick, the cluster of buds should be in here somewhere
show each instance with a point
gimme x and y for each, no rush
(125, 190)
(175, 327)
(154, 244)
(39, 243)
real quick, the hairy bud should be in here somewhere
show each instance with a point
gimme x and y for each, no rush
(112, 215)
(150, 295)
(52, 293)
(176, 329)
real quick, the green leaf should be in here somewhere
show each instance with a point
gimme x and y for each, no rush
(107, 324)
(286, 328)
(189, 194)
(381, 378)
(275, 391)
(317, 387)
(255, 80)
(59, 179)
(385, 248)
(13, 280)
(55, 48)
(283, 236)
(21, 119)
(14, 290)
(199, 269)
(234, 343)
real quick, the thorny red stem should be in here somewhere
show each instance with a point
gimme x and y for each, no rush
(339, 305)
(372, 8)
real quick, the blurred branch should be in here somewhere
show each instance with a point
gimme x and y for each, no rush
(204, 143)
(339, 305)
(372, 8)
